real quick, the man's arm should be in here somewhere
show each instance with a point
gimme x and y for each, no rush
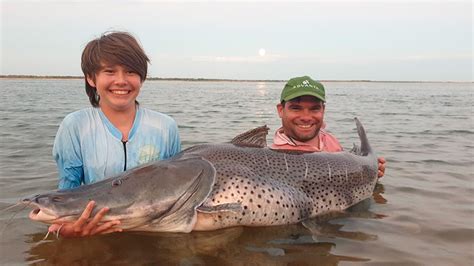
(381, 161)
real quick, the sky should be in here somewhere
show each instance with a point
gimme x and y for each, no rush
(263, 40)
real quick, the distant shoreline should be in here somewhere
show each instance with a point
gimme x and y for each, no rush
(226, 80)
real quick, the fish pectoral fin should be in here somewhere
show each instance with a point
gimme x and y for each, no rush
(334, 230)
(182, 216)
(256, 138)
(182, 221)
(226, 207)
(314, 227)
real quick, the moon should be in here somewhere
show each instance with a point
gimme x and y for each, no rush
(262, 52)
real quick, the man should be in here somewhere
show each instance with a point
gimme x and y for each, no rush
(301, 110)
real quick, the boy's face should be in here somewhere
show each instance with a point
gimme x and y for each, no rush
(302, 117)
(117, 86)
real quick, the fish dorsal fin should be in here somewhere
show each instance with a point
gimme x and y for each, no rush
(256, 138)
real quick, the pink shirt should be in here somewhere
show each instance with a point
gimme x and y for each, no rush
(327, 142)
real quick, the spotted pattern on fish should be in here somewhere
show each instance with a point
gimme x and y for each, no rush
(214, 186)
(285, 188)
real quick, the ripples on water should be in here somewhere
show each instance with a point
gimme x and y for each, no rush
(421, 212)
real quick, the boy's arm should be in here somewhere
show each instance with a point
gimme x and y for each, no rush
(83, 227)
(67, 154)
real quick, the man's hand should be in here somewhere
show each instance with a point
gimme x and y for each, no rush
(82, 228)
(382, 162)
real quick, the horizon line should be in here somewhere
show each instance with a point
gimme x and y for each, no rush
(224, 79)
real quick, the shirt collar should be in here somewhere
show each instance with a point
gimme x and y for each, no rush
(115, 131)
(281, 138)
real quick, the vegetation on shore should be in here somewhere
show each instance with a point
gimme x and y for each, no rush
(227, 80)
(148, 78)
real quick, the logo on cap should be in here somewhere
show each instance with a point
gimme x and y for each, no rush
(305, 83)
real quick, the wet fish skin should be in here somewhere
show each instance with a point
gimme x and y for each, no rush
(277, 188)
(138, 197)
(213, 186)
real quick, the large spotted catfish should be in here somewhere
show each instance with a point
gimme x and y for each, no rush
(212, 186)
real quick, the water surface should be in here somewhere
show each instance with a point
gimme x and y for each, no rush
(422, 211)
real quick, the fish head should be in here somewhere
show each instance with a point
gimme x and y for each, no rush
(136, 196)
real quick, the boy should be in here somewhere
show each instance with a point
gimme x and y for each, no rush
(116, 133)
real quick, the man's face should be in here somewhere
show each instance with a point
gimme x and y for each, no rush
(302, 117)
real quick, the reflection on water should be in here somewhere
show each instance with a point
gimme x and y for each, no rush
(422, 211)
(262, 88)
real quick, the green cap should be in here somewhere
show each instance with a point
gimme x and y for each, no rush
(301, 86)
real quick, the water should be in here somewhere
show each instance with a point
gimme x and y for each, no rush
(422, 211)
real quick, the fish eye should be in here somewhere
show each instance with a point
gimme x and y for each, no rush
(117, 182)
(56, 199)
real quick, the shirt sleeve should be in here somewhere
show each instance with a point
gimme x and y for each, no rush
(331, 143)
(67, 154)
(175, 142)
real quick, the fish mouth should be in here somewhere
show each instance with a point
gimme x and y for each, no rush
(42, 215)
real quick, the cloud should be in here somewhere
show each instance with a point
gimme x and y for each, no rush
(429, 57)
(268, 58)
(325, 59)
(371, 59)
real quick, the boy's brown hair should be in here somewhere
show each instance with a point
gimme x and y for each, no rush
(112, 48)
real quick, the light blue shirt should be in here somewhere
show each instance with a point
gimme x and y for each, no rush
(89, 148)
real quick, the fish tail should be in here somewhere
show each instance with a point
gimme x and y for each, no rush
(365, 148)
